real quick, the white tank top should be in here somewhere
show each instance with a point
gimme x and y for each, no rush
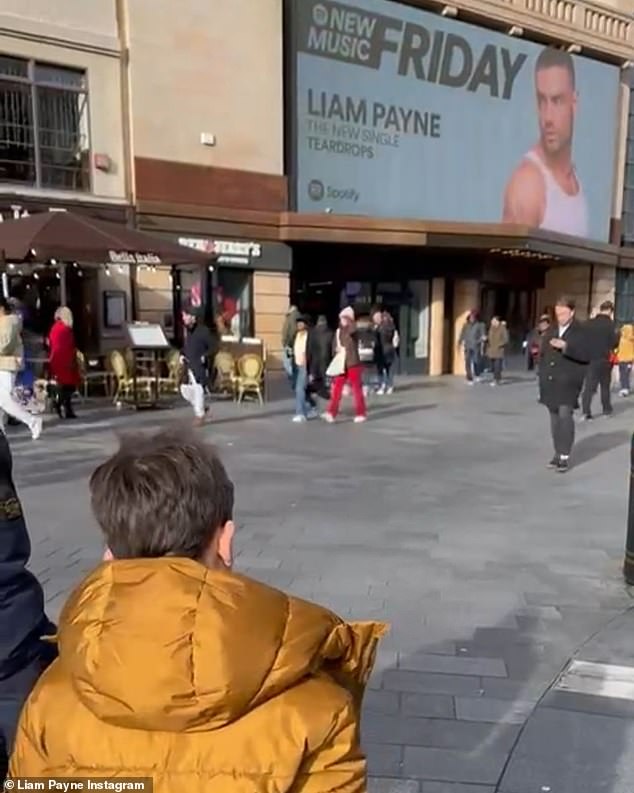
(567, 214)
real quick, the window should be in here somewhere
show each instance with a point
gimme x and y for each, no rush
(44, 139)
(624, 295)
(233, 301)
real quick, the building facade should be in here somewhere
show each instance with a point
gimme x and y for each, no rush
(436, 168)
(206, 118)
(62, 144)
(364, 151)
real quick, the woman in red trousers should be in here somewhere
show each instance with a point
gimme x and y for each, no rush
(347, 346)
(62, 361)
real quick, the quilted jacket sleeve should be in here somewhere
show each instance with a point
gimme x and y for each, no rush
(29, 753)
(338, 765)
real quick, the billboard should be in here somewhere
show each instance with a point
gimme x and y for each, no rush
(404, 113)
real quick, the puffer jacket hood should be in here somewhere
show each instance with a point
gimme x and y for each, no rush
(169, 645)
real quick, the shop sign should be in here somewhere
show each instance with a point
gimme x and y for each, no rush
(124, 257)
(226, 251)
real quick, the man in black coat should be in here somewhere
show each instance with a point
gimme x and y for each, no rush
(563, 363)
(200, 348)
(23, 653)
(602, 338)
(319, 356)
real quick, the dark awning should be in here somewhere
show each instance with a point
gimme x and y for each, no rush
(66, 236)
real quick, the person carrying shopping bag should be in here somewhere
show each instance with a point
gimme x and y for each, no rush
(346, 368)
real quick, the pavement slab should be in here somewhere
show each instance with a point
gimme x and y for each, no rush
(438, 516)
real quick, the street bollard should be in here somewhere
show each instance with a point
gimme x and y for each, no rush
(628, 564)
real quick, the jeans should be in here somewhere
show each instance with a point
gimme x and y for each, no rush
(472, 361)
(194, 393)
(599, 375)
(353, 376)
(303, 405)
(562, 429)
(9, 406)
(496, 366)
(386, 376)
(625, 372)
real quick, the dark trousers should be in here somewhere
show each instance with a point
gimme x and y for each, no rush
(496, 366)
(562, 429)
(63, 400)
(599, 374)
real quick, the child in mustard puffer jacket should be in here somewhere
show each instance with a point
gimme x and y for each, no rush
(625, 357)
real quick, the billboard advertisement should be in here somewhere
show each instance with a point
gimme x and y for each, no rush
(404, 113)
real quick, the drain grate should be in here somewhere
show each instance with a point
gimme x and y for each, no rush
(599, 680)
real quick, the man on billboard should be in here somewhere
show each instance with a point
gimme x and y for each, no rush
(544, 191)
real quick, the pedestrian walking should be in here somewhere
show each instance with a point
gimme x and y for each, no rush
(564, 358)
(346, 368)
(603, 339)
(11, 361)
(472, 339)
(62, 362)
(384, 350)
(497, 340)
(200, 348)
(24, 653)
(625, 358)
(175, 668)
(289, 330)
(305, 408)
(319, 355)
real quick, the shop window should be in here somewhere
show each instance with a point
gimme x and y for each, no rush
(234, 309)
(44, 136)
(624, 295)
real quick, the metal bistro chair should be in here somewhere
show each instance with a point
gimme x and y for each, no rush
(250, 376)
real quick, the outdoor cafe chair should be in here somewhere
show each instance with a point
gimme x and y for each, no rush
(250, 376)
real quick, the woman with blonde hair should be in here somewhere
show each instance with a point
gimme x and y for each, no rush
(62, 362)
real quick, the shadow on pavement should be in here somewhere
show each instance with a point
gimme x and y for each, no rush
(594, 445)
(449, 715)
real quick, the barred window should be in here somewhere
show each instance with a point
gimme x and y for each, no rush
(44, 136)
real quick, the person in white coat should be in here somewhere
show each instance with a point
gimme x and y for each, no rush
(11, 361)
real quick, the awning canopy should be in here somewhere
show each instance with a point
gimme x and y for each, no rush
(66, 236)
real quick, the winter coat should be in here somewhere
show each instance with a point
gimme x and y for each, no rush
(23, 653)
(385, 351)
(11, 350)
(561, 375)
(497, 340)
(319, 351)
(472, 336)
(348, 338)
(202, 679)
(62, 358)
(289, 329)
(201, 346)
(625, 353)
(602, 337)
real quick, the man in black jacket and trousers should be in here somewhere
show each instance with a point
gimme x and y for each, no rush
(24, 654)
(199, 352)
(562, 368)
(602, 338)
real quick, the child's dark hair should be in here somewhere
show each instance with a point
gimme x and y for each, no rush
(165, 494)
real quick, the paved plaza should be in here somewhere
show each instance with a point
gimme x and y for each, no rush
(440, 517)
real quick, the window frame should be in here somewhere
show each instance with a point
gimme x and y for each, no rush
(31, 82)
